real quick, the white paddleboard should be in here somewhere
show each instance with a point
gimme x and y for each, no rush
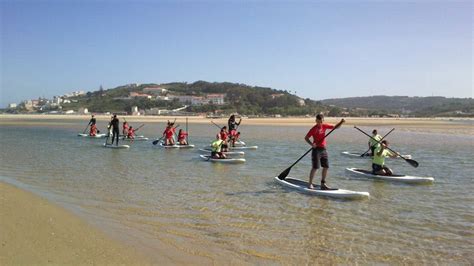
(177, 146)
(241, 153)
(394, 178)
(243, 147)
(227, 160)
(98, 136)
(366, 156)
(135, 139)
(112, 146)
(302, 186)
(238, 143)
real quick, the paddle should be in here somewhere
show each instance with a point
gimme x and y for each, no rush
(362, 155)
(285, 173)
(216, 125)
(187, 142)
(158, 140)
(410, 161)
(108, 135)
(126, 136)
(84, 132)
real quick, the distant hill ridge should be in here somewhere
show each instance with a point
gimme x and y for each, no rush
(413, 106)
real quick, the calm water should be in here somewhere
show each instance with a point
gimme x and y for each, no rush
(236, 213)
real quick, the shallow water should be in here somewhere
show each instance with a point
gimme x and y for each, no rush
(237, 213)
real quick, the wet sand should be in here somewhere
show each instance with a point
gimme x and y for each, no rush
(36, 232)
(461, 126)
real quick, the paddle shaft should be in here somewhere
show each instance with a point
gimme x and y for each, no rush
(187, 131)
(410, 161)
(216, 125)
(376, 144)
(83, 132)
(139, 127)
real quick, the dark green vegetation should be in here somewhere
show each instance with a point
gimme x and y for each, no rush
(404, 105)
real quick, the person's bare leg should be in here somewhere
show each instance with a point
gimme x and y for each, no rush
(311, 176)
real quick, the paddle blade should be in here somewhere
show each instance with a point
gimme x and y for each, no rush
(412, 162)
(284, 174)
(156, 141)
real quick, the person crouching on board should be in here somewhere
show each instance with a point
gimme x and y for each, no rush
(125, 128)
(182, 135)
(216, 148)
(131, 133)
(374, 142)
(378, 161)
(319, 155)
(224, 136)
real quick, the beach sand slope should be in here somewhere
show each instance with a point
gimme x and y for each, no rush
(34, 231)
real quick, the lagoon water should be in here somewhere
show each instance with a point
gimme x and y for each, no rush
(150, 197)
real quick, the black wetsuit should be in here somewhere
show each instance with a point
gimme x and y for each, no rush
(232, 125)
(92, 121)
(115, 130)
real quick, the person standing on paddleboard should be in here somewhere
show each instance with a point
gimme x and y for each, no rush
(92, 123)
(115, 123)
(233, 128)
(319, 155)
(378, 161)
(373, 142)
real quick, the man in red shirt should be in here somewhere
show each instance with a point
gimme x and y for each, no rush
(319, 155)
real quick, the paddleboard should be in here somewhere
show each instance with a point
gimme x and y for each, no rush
(366, 156)
(302, 186)
(98, 136)
(177, 146)
(136, 136)
(243, 148)
(112, 146)
(239, 143)
(227, 160)
(135, 139)
(394, 178)
(241, 153)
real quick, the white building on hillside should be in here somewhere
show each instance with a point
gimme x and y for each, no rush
(217, 99)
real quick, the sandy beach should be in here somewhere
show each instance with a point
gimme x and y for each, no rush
(33, 231)
(462, 126)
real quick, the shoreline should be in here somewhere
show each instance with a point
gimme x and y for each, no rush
(461, 126)
(34, 230)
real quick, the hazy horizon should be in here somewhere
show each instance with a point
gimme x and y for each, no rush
(321, 50)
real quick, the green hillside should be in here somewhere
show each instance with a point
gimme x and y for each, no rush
(241, 98)
(409, 106)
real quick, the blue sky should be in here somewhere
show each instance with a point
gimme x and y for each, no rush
(320, 49)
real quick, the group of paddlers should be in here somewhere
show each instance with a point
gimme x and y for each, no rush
(319, 157)
(128, 131)
(228, 135)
